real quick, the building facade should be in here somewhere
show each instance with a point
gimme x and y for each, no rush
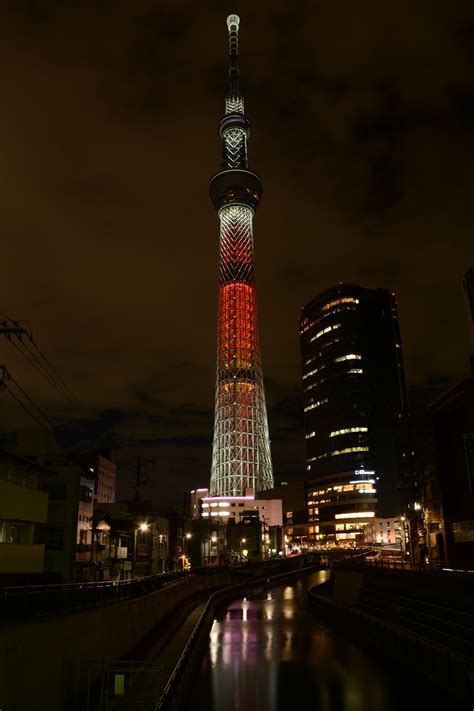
(105, 471)
(241, 447)
(453, 423)
(355, 404)
(226, 508)
(468, 289)
(386, 532)
(217, 524)
(67, 533)
(23, 507)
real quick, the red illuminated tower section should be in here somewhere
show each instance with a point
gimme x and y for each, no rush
(241, 449)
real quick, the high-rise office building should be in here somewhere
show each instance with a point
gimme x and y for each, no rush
(241, 449)
(354, 407)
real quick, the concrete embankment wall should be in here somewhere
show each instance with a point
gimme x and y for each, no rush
(423, 622)
(38, 658)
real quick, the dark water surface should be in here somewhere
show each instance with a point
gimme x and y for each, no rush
(269, 651)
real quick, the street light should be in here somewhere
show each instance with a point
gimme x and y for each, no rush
(213, 541)
(242, 540)
(185, 558)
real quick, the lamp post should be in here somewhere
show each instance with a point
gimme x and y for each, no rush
(142, 527)
(242, 540)
(213, 541)
(403, 537)
(187, 538)
(92, 572)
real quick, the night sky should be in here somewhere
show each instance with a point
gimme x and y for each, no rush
(362, 129)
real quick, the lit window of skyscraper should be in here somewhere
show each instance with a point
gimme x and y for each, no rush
(355, 412)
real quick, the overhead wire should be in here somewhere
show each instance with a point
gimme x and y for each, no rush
(22, 404)
(47, 371)
(39, 361)
(55, 372)
(37, 367)
(10, 377)
(60, 386)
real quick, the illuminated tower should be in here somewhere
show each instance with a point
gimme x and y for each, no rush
(241, 449)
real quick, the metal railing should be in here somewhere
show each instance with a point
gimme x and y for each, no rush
(22, 602)
(401, 633)
(389, 563)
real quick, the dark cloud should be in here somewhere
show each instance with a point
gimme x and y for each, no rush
(362, 131)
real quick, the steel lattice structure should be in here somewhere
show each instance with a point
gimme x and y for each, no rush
(241, 448)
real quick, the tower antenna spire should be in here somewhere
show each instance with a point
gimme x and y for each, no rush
(233, 22)
(241, 459)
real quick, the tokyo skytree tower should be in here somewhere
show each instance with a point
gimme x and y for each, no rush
(241, 448)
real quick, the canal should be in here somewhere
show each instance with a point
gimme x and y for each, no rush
(269, 651)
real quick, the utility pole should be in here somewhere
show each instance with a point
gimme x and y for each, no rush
(3, 377)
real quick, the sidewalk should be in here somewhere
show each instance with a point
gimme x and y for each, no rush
(161, 658)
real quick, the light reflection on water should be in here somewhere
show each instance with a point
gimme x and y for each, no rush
(268, 651)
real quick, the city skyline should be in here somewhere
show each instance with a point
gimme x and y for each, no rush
(364, 141)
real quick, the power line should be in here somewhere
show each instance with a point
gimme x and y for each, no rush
(10, 377)
(47, 429)
(11, 328)
(36, 358)
(54, 371)
(56, 382)
(37, 367)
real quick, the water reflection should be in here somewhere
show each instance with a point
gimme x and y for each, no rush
(269, 651)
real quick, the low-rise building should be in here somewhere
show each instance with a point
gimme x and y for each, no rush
(221, 521)
(102, 467)
(66, 534)
(22, 507)
(225, 508)
(296, 529)
(385, 532)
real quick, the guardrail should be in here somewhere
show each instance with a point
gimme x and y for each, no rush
(24, 602)
(449, 668)
(389, 563)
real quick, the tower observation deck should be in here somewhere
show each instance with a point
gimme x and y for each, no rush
(241, 448)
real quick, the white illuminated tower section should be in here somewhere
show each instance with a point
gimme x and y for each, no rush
(241, 449)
